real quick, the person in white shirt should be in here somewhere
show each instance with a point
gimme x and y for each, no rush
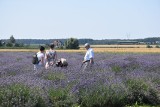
(50, 57)
(40, 55)
(89, 57)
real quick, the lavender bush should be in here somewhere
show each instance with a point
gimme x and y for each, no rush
(116, 79)
(18, 95)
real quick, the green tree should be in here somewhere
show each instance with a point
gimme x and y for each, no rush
(12, 39)
(17, 45)
(72, 43)
(0, 42)
(9, 44)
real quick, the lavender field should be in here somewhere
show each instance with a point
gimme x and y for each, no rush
(117, 79)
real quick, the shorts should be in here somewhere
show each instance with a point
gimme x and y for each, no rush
(38, 67)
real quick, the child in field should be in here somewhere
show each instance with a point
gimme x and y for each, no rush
(50, 57)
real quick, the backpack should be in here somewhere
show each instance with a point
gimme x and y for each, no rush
(35, 59)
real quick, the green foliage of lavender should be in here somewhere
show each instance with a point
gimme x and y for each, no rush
(61, 98)
(54, 76)
(102, 96)
(116, 80)
(18, 95)
(141, 92)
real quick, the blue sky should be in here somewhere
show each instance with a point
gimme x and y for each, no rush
(96, 19)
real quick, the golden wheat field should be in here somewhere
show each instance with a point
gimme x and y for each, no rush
(101, 48)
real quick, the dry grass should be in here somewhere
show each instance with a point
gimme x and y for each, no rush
(18, 50)
(119, 46)
(96, 49)
(134, 50)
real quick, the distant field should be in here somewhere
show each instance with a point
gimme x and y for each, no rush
(96, 49)
(119, 46)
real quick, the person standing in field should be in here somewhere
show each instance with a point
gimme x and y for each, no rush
(50, 56)
(88, 58)
(41, 61)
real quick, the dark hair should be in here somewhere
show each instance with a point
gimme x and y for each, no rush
(51, 45)
(42, 48)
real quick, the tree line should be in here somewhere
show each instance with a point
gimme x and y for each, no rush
(71, 43)
(83, 41)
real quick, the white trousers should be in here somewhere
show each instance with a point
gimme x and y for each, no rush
(87, 66)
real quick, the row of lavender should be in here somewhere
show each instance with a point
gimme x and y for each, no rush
(116, 79)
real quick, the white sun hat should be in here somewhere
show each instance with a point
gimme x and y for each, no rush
(87, 44)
